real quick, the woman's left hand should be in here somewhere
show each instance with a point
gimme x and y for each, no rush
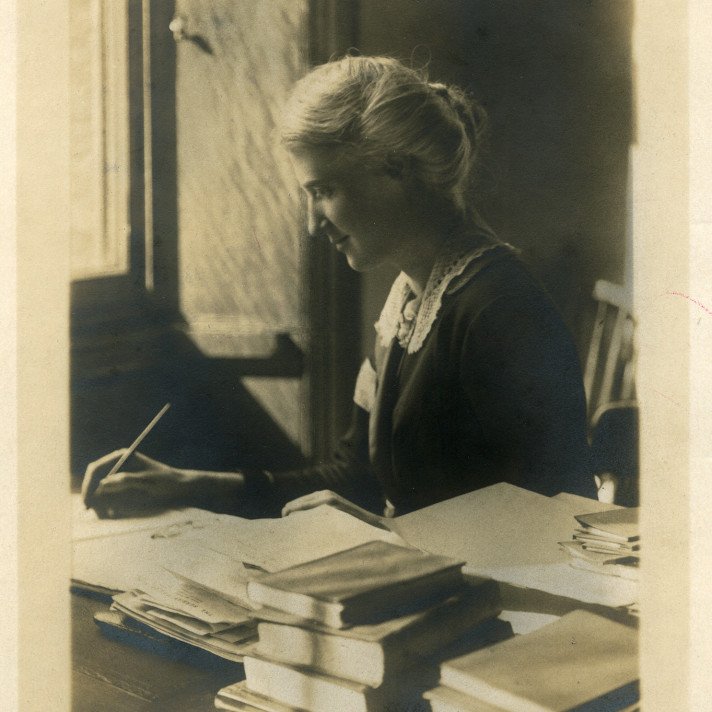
(316, 499)
(607, 487)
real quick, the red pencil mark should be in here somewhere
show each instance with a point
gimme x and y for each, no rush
(694, 301)
(667, 398)
(256, 240)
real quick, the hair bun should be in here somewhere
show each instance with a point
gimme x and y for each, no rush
(441, 90)
(470, 114)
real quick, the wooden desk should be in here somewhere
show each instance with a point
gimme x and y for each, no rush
(507, 543)
(109, 676)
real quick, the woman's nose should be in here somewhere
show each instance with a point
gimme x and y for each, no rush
(315, 220)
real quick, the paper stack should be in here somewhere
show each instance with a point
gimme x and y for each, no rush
(191, 612)
(361, 630)
(581, 661)
(606, 542)
(189, 578)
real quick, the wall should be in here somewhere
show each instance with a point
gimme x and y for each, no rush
(555, 78)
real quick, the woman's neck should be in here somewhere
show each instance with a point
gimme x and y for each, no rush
(418, 266)
(420, 247)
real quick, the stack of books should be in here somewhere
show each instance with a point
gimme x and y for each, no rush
(361, 630)
(606, 542)
(582, 661)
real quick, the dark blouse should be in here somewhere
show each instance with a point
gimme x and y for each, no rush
(494, 393)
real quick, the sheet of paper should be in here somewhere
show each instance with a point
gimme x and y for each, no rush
(174, 595)
(122, 562)
(86, 524)
(275, 544)
(512, 535)
(130, 554)
(232, 643)
(215, 572)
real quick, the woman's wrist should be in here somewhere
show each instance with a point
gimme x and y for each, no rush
(249, 492)
(204, 476)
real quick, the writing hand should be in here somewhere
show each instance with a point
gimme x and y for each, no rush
(144, 484)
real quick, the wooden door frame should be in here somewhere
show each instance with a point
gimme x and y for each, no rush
(331, 290)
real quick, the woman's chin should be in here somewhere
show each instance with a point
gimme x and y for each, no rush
(360, 262)
(358, 265)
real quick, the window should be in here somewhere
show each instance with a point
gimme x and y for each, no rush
(100, 167)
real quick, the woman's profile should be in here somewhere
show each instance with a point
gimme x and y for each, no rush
(474, 380)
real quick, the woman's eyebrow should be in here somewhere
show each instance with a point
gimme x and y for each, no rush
(308, 187)
(314, 183)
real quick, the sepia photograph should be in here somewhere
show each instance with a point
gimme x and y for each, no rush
(357, 356)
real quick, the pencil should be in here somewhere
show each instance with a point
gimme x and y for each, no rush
(129, 451)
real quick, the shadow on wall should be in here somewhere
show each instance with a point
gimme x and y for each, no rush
(214, 422)
(556, 80)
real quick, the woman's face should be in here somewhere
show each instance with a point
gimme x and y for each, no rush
(361, 211)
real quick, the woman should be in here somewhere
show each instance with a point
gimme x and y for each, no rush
(475, 379)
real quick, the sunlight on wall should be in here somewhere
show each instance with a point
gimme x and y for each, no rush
(238, 206)
(99, 179)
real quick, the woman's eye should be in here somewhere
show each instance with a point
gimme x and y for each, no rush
(323, 192)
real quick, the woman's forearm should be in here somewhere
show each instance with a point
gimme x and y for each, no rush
(244, 492)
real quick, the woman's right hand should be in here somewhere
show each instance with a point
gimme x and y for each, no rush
(143, 484)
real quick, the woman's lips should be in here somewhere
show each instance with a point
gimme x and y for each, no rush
(339, 240)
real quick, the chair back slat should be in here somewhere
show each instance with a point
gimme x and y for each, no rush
(605, 393)
(609, 380)
(610, 366)
(628, 388)
(594, 349)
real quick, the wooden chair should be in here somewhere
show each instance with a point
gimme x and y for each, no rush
(610, 392)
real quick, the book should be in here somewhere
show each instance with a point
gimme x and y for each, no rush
(597, 542)
(222, 704)
(240, 698)
(580, 659)
(304, 689)
(612, 564)
(365, 584)
(445, 699)
(613, 525)
(606, 542)
(372, 653)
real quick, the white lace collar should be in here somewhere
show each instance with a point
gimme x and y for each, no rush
(457, 262)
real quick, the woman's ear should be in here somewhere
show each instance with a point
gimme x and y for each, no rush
(399, 166)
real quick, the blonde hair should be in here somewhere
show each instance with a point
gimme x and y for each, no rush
(389, 115)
